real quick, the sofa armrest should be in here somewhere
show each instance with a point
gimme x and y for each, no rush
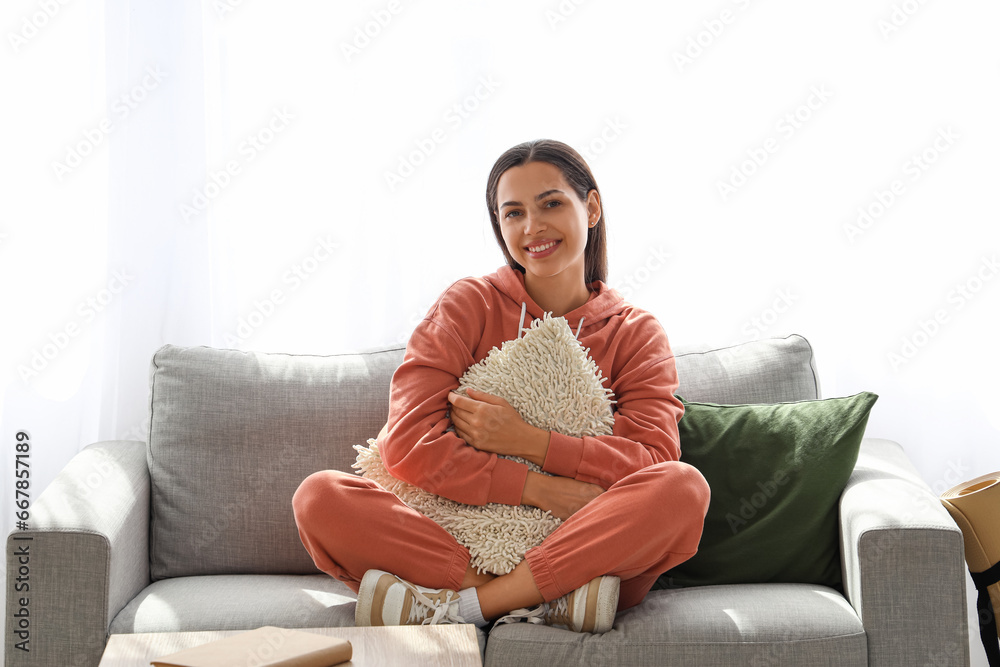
(903, 562)
(84, 556)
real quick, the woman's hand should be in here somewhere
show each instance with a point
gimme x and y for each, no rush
(490, 424)
(562, 496)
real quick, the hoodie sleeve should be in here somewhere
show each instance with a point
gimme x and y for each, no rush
(416, 446)
(647, 412)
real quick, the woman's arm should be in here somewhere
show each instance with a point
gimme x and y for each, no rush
(561, 496)
(490, 424)
(417, 445)
(644, 381)
(645, 429)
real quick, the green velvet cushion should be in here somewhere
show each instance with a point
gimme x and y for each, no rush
(776, 473)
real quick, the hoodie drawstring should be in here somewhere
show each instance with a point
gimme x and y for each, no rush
(520, 323)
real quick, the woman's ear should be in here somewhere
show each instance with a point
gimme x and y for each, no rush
(593, 208)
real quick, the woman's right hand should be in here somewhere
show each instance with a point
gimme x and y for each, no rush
(562, 496)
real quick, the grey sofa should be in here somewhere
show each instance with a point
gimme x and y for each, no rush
(193, 530)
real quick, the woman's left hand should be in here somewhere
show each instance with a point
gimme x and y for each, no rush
(490, 424)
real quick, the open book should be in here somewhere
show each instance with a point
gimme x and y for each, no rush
(264, 647)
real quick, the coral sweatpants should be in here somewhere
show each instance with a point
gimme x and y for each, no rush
(642, 526)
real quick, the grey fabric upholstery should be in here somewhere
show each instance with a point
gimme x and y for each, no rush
(772, 370)
(232, 434)
(902, 551)
(235, 602)
(750, 624)
(88, 555)
(196, 531)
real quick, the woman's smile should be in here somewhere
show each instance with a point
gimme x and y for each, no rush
(539, 249)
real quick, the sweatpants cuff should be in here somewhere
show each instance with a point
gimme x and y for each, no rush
(542, 574)
(456, 569)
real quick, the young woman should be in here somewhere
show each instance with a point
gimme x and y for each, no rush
(631, 510)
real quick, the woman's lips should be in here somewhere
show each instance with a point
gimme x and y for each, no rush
(543, 249)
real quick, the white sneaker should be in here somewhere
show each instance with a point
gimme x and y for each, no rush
(385, 599)
(590, 608)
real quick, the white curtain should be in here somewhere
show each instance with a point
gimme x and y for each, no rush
(55, 297)
(308, 176)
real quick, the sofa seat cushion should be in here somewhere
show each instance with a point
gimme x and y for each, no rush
(747, 624)
(238, 602)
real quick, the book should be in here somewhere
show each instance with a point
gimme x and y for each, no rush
(264, 647)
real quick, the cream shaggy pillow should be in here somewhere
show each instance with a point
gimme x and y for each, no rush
(548, 377)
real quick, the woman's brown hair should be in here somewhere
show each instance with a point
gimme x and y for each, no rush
(576, 172)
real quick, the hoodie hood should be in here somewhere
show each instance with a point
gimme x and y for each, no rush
(604, 302)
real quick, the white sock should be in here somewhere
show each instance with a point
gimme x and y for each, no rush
(469, 609)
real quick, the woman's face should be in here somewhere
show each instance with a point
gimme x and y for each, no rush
(543, 222)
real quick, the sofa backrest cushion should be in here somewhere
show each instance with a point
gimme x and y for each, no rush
(233, 434)
(770, 370)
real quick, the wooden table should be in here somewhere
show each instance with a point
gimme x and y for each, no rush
(449, 645)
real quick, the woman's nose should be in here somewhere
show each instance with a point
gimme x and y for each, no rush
(533, 223)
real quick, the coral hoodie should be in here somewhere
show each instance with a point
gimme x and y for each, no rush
(475, 315)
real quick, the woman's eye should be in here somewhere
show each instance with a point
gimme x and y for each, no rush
(556, 202)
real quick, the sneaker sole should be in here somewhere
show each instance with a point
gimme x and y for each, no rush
(603, 599)
(366, 597)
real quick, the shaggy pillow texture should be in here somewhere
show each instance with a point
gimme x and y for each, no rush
(549, 378)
